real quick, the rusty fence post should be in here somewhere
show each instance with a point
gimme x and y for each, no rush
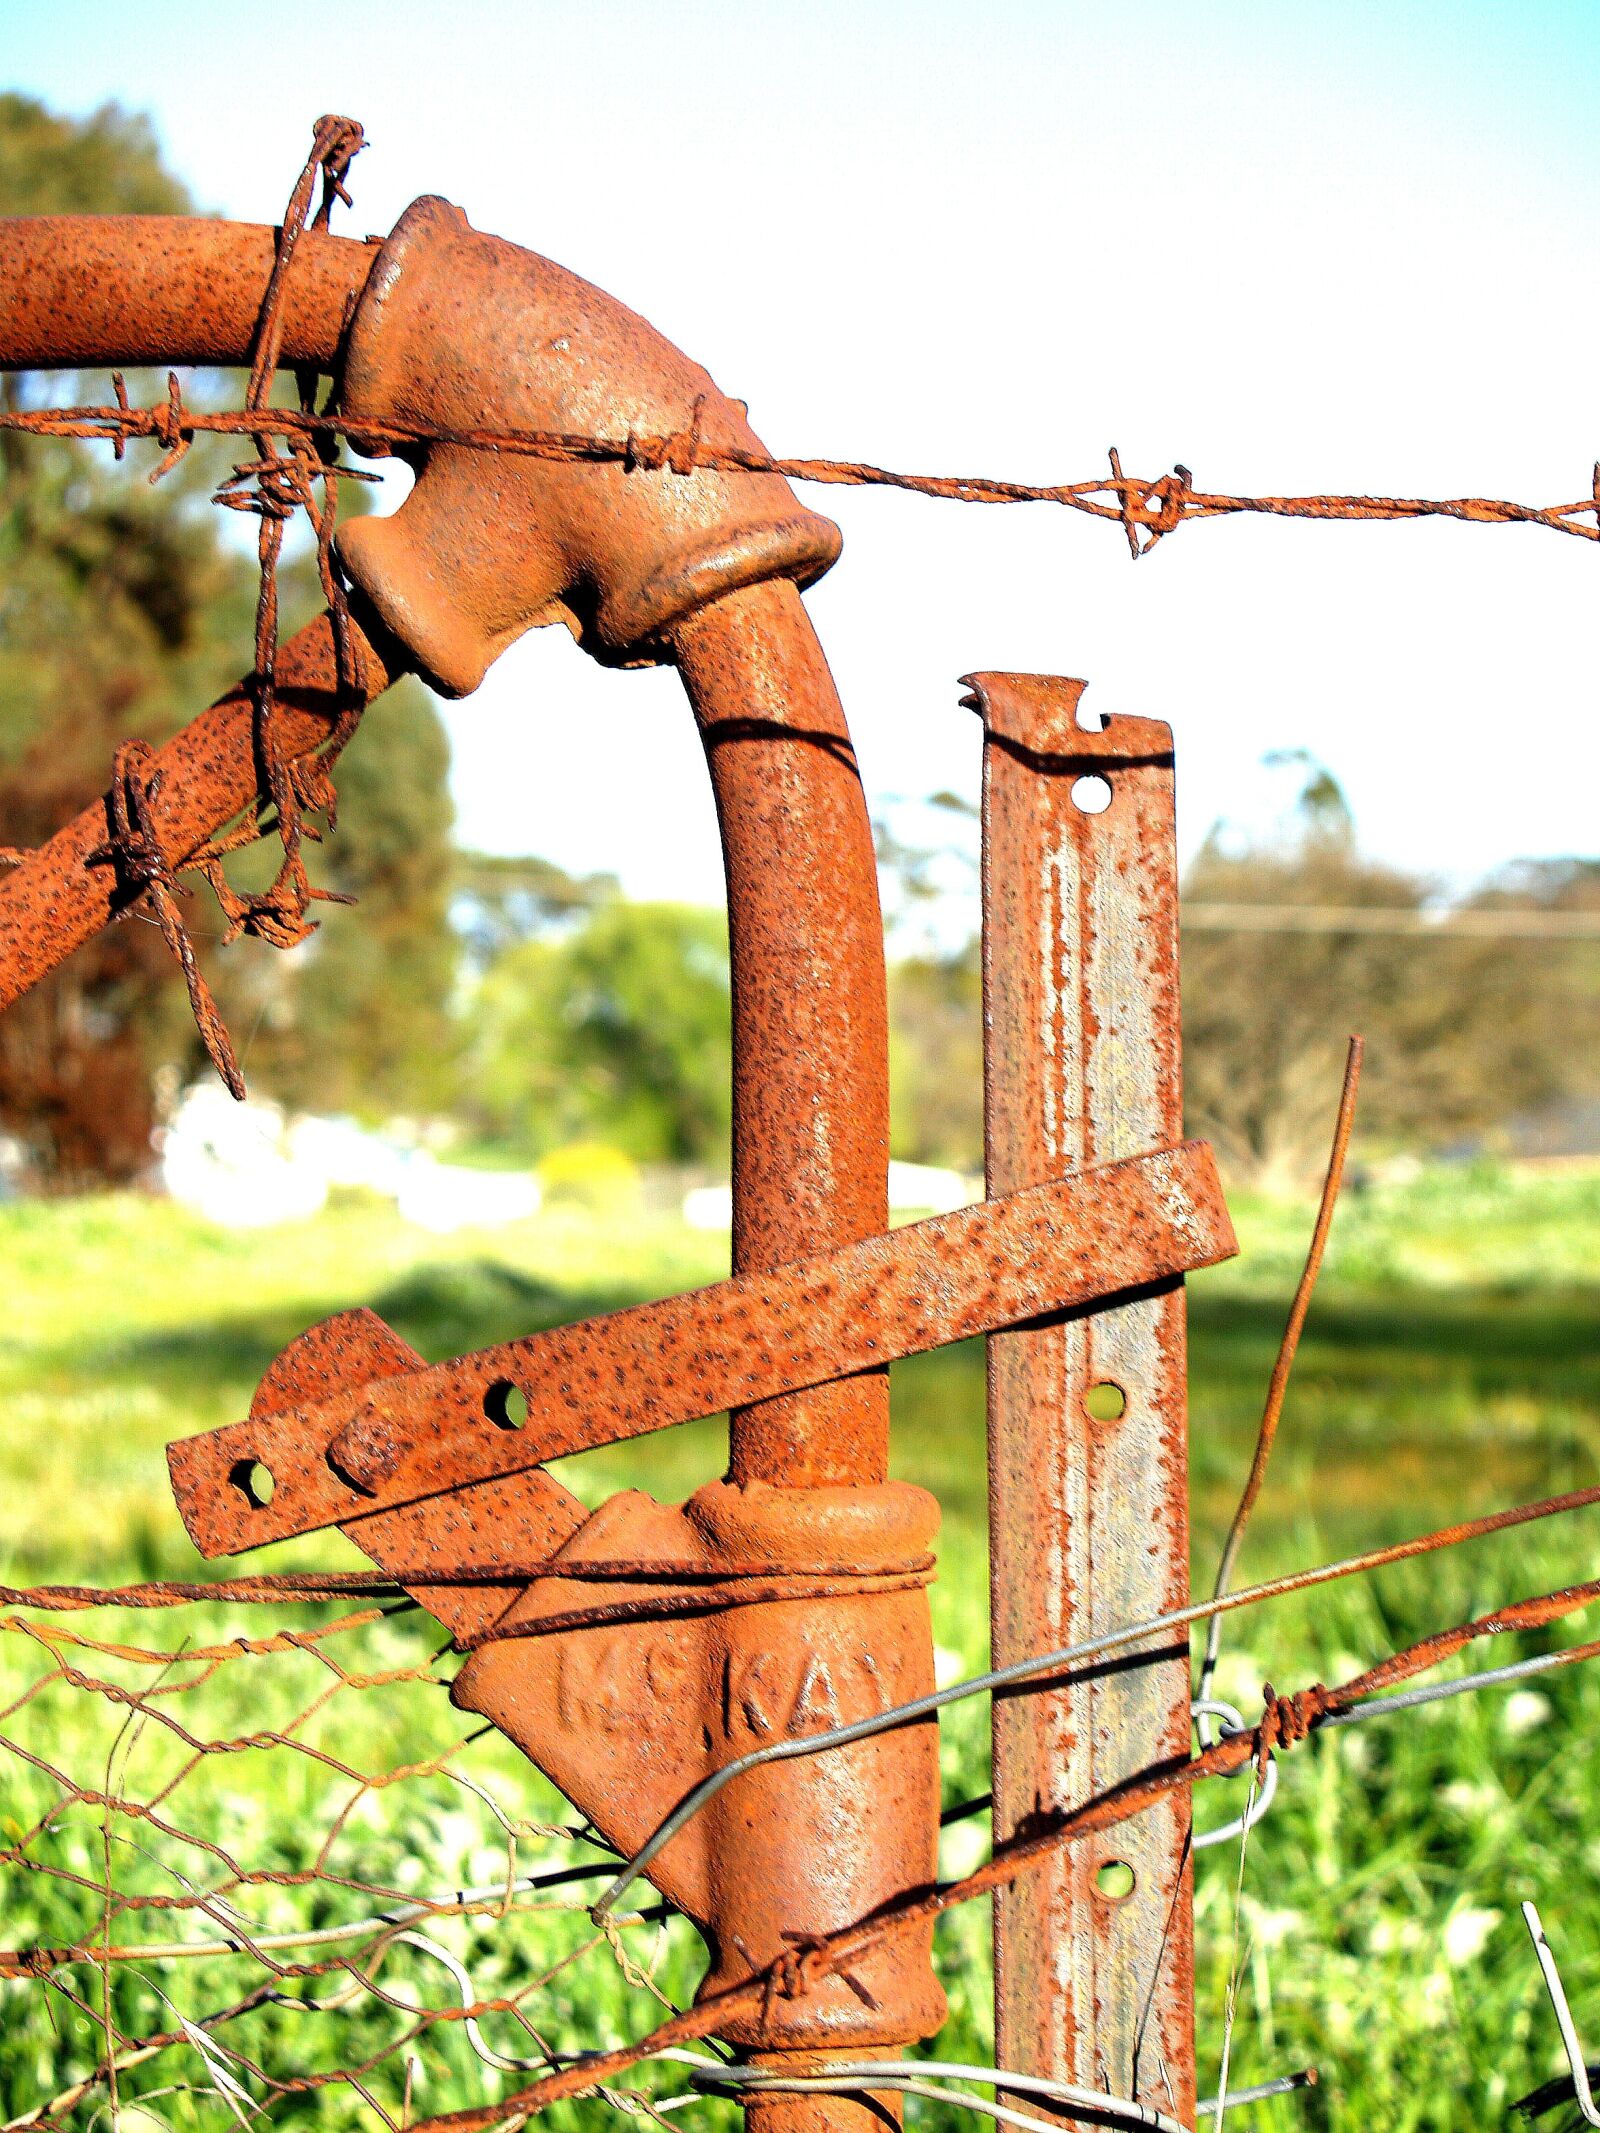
(1088, 1484)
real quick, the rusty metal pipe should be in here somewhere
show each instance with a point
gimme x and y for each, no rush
(810, 1020)
(810, 1051)
(448, 327)
(84, 290)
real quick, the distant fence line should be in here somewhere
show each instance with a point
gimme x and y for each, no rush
(1204, 917)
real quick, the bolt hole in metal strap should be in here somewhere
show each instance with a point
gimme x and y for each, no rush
(1088, 1431)
(1116, 1230)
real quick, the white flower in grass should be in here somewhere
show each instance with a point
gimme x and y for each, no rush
(1466, 1934)
(1270, 1929)
(1474, 1798)
(948, 1666)
(1525, 1710)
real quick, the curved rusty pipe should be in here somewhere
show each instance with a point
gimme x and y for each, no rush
(443, 324)
(449, 327)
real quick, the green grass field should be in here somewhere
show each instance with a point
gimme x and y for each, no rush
(1451, 1366)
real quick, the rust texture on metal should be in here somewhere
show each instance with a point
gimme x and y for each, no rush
(1088, 1484)
(454, 328)
(1285, 1723)
(810, 1016)
(56, 898)
(103, 290)
(372, 1441)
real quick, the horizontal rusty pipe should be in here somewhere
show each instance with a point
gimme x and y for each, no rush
(81, 291)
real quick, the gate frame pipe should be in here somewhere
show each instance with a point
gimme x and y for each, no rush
(809, 1018)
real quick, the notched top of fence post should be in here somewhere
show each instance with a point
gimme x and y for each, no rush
(1039, 712)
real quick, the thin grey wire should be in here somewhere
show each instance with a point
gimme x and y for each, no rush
(1260, 1801)
(1438, 1691)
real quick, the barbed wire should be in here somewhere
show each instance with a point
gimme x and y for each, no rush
(1148, 509)
(1286, 1721)
(274, 486)
(296, 455)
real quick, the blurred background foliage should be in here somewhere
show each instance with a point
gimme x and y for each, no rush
(126, 609)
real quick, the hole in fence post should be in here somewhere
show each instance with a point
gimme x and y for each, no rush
(1105, 1402)
(506, 1404)
(1091, 795)
(253, 1481)
(1115, 1880)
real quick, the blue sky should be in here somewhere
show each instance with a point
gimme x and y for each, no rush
(1305, 247)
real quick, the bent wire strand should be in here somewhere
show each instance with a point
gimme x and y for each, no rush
(1288, 1349)
(1582, 2092)
(1070, 1655)
(1233, 1721)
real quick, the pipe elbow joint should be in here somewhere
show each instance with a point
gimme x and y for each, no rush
(465, 333)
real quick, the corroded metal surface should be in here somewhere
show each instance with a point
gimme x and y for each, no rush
(788, 1597)
(456, 328)
(810, 1019)
(1088, 1437)
(108, 290)
(59, 896)
(626, 1719)
(376, 1443)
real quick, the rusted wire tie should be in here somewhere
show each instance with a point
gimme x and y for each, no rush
(284, 1587)
(1285, 1721)
(1071, 1655)
(134, 849)
(1148, 510)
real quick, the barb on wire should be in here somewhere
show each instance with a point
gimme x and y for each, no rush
(1074, 1655)
(1289, 1347)
(1260, 1803)
(1285, 1721)
(134, 849)
(1147, 509)
(274, 487)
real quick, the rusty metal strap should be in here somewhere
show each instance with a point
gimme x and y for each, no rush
(1120, 1227)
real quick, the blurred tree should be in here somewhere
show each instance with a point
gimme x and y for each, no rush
(936, 1057)
(501, 900)
(617, 1032)
(1462, 1031)
(126, 610)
